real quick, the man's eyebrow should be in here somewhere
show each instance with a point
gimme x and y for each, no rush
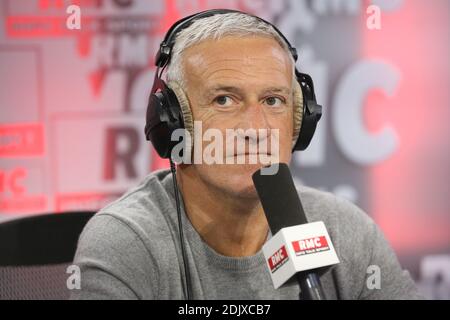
(221, 88)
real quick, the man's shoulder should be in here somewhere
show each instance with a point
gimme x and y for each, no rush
(140, 212)
(127, 243)
(147, 200)
(139, 216)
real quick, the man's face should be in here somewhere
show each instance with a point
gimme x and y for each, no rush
(240, 83)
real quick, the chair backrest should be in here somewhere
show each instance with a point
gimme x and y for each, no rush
(35, 252)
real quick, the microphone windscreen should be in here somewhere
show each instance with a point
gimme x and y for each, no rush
(279, 199)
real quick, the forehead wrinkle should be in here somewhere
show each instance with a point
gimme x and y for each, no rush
(238, 73)
(203, 65)
(208, 73)
(208, 64)
(245, 61)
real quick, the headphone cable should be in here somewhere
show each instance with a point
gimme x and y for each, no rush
(188, 290)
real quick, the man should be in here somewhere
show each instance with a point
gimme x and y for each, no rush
(232, 71)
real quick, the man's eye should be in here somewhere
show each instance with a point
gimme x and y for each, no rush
(274, 102)
(224, 101)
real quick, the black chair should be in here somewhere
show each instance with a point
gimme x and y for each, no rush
(35, 252)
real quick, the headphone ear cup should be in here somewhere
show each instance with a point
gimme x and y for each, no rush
(312, 112)
(185, 107)
(162, 119)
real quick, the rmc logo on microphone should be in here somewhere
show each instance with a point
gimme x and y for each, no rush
(312, 245)
(298, 248)
(279, 258)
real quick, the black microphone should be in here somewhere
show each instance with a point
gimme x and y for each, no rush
(284, 213)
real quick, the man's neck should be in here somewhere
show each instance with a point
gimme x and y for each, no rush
(232, 226)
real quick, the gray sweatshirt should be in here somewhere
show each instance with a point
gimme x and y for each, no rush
(131, 250)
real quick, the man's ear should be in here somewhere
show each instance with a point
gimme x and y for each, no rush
(297, 111)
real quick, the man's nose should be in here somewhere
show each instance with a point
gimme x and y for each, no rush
(253, 120)
(253, 116)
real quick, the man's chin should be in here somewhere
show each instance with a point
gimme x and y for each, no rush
(239, 179)
(232, 179)
(241, 190)
(242, 171)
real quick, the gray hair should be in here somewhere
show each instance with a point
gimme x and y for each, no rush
(216, 27)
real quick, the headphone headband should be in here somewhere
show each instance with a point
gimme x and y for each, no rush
(164, 53)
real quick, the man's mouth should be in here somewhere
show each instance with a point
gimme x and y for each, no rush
(253, 154)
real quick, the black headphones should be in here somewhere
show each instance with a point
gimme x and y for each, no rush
(164, 114)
